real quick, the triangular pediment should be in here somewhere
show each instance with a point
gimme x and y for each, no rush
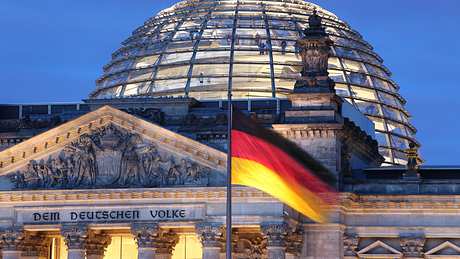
(110, 148)
(444, 250)
(379, 249)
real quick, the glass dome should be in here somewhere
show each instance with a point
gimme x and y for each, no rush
(191, 48)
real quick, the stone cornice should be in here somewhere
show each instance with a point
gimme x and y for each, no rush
(52, 140)
(213, 194)
(392, 203)
(299, 131)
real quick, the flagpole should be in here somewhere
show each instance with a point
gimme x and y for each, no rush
(228, 230)
(228, 242)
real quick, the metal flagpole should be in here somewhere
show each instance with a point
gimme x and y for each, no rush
(228, 234)
(228, 244)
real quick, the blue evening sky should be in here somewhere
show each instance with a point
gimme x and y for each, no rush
(53, 50)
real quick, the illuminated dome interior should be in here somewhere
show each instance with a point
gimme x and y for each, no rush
(191, 48)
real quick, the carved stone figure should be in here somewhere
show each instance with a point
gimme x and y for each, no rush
(109, 157)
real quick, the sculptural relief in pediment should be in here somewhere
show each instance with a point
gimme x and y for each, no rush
(111, 157)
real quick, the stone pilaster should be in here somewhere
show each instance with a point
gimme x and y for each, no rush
(350, 245)
(146, 235)
(96, 244)
(412, 246)
(10, 241)
(211, 236)
(35, 246)
(75, 237)
(324, 241)
(276, 234)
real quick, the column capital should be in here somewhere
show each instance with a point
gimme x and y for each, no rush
(145, 234)
(75, 236)
(97, 243)
(275, 233)
(295, 240)
(210, 234)
(36, 245)
(350, 244)
(165, 242)
(11, 238)
(412, 245)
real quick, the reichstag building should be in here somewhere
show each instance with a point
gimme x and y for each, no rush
(138, 169)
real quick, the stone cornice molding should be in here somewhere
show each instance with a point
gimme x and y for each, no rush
(214, 194)
(381, 203)
(303, 131)
(52, 140)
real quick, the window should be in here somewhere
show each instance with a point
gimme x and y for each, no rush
(363, 93)
(172, 71)
(358, 78)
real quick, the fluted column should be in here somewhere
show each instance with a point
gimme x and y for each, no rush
(75, 237)
(10, 241)
(276, 234)
(145, 236)
(35, 246)
(96, 244)
(211, 236)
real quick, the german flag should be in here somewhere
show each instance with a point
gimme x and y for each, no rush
(263, 159)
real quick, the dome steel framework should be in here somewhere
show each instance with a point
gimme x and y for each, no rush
(195, 47)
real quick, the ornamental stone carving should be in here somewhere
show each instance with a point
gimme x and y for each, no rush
(275, 233)
(35, 245)
(96, 244)
(314, 48)
(145, 234)
(75, 236)
(110, 157)
(295, 241)
(210, 234)
(412, 246)
(249, 245)
(350, 244)
(166, 242)
(11, 238)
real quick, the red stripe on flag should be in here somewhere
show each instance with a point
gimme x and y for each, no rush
(253, 148)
